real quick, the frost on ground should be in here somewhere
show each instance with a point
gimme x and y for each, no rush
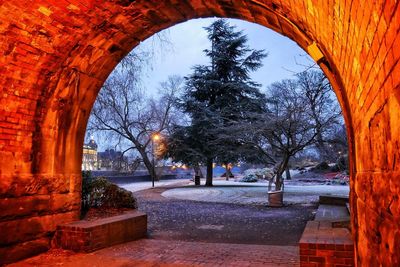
(204, 221)
(254, 193)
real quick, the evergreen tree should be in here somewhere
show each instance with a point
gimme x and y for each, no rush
(218, 96)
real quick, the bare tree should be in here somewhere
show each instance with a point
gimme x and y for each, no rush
(294, 120)
(123, 111)
(323, 108)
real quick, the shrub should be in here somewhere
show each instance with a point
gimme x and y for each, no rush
(268, 173)
(323, 166)
(250, 178)
(343, 162)
(108, 195)
(264, 173)
(340, 178)
(86, 190)
(334, 168)
(98, 192)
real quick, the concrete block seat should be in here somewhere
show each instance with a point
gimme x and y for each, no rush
(87, 236)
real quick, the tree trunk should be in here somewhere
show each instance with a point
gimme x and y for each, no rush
(209, 176)
(270, 183)
(197, 171)
(228, 172)
(287, 171)
(149, 166)
(278, 182)
(281, 169)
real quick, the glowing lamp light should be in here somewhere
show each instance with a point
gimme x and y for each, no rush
(156, 137)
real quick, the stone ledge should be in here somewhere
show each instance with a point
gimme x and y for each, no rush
(333, 200)
(332, 213)
(323, 245)
(87, 236)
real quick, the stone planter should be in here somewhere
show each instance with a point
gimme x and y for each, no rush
(275, 198)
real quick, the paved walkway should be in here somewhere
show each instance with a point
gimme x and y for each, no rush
(186, 220)
(138, 186)
(253, 193)
(147, 252)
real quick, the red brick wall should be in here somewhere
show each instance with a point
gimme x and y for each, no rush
(55, 55)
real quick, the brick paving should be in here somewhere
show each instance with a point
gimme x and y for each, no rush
(150, 252)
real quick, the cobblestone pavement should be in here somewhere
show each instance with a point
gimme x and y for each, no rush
(138, 186)
(162, 253)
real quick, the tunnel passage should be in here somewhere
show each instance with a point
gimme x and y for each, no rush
(56, 54)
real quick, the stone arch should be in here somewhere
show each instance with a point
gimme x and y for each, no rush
(57, 54)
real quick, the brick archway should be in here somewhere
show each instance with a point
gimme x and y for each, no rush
(55, 55)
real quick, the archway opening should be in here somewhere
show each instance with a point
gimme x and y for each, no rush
(299, 161)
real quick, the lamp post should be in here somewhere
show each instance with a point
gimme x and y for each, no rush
(154, 138)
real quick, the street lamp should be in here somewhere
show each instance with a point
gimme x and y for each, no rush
(154, 138)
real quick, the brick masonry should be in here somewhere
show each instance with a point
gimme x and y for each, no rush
(323, 245)
(87, 236)
(171, 253)
(56, 54)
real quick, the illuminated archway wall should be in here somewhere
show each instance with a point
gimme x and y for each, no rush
(56, 54)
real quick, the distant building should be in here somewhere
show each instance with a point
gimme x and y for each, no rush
(89, 160)
(109, 160)
(113, 160)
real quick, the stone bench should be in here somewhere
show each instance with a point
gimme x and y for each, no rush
(87, 236)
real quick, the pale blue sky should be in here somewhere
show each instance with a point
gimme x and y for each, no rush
(189, 39)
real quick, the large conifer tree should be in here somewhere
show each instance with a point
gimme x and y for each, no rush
(217, 96)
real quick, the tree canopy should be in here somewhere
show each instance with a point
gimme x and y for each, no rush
(217, 96)
(299, 114)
